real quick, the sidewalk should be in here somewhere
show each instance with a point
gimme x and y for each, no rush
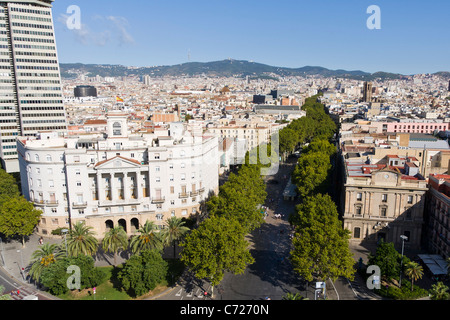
(14, 257)
(17, 257)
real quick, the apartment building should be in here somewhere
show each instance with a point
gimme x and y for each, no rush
(438, 215)
(399, 126)
(118, 178)
(30, 83)
(252, 133)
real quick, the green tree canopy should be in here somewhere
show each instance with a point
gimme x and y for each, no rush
(320, 244)
(114, 241)
(321, 146)
(388, 259)
(289, 138)
(148, 238)
(311, 173)
(81, 240)
(8, 187)
(143, 272)
(55, 276)
(439, 291)
(240, 197)
(18, 217)
(414, 271)
(215, 247)
(46, 255)
(175, 231)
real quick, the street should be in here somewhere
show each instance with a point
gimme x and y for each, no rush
(271, 274)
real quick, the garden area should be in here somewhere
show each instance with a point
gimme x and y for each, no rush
(69, 272)
(110, 288)
(400, 276)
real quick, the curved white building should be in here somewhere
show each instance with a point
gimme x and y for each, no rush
(118, 179)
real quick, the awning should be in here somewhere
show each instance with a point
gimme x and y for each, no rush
(435, 263)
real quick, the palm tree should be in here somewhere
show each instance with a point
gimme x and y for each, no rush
(414, 271)
(115, 239)
(81, 240)
(291, 296)
(43, 257)
(174, 232)
(148, 238)
(439, 291)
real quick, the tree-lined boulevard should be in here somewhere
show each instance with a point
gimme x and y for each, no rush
(248, 243)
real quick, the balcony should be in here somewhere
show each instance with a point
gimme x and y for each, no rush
(201, 190)
(46, 203)
(158, 200)
(194, 193)
(183, 195)
(79, 204)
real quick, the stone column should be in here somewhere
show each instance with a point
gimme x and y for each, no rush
(126, 187)
(395, 204)
(365, 204)
(350, 211)
(139, 185)
(114, 193)
(100, 187)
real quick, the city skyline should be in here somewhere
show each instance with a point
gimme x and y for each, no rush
(332, 35)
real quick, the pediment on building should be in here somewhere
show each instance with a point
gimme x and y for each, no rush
(117, 163)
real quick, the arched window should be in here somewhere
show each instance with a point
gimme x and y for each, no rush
(109, 225)
(134, 225)
(123, 224)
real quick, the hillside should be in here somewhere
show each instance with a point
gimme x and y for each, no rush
(223, 68)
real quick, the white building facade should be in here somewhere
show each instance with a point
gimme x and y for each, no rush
(117, 178)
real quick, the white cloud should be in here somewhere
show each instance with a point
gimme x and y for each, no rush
(112, 29)
(121, 25)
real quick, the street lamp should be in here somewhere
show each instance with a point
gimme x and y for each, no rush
(404, 238)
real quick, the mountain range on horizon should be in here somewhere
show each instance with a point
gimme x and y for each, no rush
(227, 68)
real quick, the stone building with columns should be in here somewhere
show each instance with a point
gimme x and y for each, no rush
(383, 201)
(117, 177)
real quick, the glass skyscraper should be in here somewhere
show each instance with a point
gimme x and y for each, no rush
(31, 97)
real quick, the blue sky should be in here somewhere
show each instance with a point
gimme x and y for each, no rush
(414, 35)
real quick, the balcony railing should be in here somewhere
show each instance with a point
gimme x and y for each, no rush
(45, 203)
(183, 195)
(158, 200)
(79, 204)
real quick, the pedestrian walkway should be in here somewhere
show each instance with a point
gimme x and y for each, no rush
(15, 258)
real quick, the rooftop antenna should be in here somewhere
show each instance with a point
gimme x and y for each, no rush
(189, 55)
